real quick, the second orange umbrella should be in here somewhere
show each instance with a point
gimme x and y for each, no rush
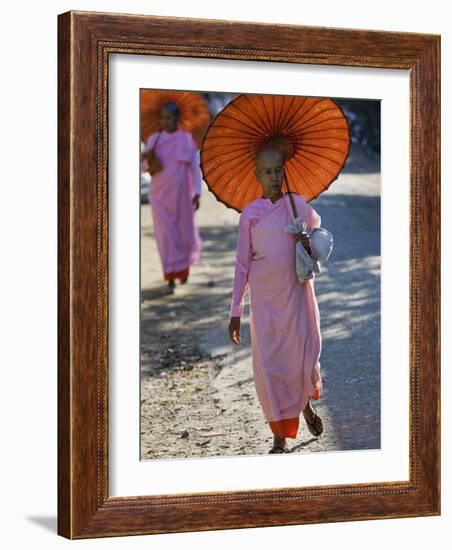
(194, 113)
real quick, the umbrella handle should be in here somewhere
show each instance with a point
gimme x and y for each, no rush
(292, 202)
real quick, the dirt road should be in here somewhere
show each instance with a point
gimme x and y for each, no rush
(197, 389)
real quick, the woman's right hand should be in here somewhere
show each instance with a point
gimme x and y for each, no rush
(304, 239)
(234, 330)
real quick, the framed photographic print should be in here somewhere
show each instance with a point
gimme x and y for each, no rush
(205, 381)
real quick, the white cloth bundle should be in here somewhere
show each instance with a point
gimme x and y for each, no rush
(321, 242)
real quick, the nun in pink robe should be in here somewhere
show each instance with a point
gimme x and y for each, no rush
(171, 196)
(284, 316)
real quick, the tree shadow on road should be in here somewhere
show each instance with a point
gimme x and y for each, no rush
(348, 293)
(199, 308)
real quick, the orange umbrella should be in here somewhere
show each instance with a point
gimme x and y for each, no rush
(313, 134)
(194, 113)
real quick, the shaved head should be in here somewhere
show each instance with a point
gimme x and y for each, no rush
(266, 154)
(173, 108)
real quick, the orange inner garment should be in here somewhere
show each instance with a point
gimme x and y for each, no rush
(285, 428)
(176, 275)
(288, 427)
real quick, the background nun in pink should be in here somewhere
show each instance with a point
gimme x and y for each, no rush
(174, 196)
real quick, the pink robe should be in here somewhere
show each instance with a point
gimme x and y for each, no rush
(170, 194)
(284, 316)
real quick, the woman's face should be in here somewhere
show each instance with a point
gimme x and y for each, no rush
(168, 120)
(270, 172)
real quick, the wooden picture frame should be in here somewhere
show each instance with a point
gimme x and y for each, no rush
(85, 42)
